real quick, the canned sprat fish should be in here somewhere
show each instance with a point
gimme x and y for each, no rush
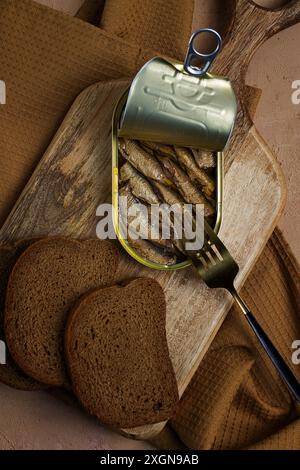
(169, 132)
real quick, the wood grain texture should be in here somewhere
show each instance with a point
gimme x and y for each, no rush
(74, 176)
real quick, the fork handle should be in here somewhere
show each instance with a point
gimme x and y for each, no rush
(278, 361)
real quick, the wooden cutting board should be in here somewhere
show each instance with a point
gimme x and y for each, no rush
(74, 177)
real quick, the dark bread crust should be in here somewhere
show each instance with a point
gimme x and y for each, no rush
(10, 373)
(117, 355)
(44, 284)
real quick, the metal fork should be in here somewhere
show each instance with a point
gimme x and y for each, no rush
(218, 270)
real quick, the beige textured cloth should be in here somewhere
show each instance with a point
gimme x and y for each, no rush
(235, 399)
(47, 59)
(165, 26)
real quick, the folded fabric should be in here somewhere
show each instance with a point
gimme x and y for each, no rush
(91, 11)
(47, 59)
(164, 26)
(236, 400)
(143, 23)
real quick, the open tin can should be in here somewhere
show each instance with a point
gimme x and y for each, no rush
(179, 104)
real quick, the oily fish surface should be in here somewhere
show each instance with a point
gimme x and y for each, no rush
(152, 173)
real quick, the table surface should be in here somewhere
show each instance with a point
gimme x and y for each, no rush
(49, 424)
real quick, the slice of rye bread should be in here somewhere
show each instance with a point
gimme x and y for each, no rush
(44, 284)
(117, 355)
(10, 374)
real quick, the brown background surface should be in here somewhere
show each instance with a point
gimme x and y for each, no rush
(39, 421)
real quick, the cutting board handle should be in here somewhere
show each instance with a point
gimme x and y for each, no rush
(251, 27)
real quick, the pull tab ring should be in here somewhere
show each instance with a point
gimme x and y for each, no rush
(192, 54)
